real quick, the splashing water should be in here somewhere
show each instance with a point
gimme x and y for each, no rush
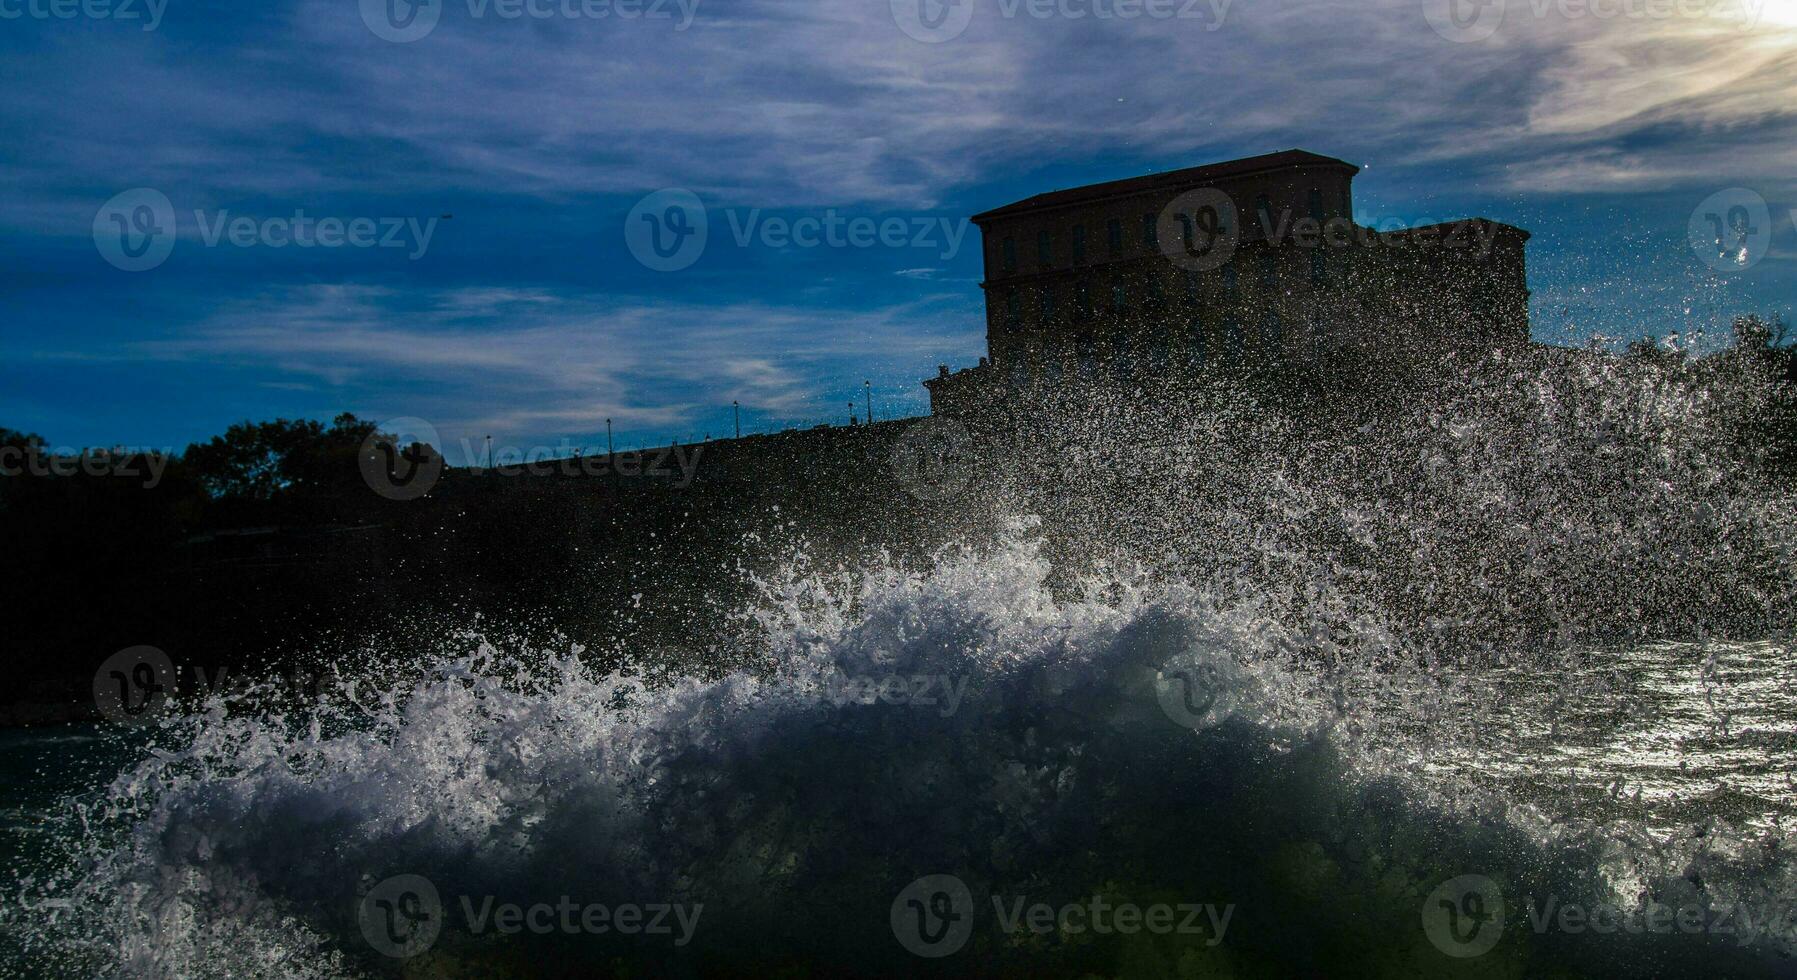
(1309, 675)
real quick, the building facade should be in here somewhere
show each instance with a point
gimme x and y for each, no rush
(1237, 265)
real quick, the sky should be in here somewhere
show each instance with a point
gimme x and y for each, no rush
(499, 174)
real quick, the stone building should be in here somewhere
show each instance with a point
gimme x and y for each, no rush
(1249, 263)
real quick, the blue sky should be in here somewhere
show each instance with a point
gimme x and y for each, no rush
(526, 315)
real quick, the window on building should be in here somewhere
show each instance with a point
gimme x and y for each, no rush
(1148, 236)
(1010, 254)
(1316, 203)
(1185, 232)
(1079, 244)
(1114, 232)
(1045, 249)
(1011, 310)
(1263, 208)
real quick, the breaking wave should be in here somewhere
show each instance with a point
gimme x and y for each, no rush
(1292, 683)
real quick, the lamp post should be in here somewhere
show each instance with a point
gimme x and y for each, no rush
(738, 408)
(869, 385)
(608, 449)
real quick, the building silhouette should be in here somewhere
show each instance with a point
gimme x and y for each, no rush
(1245, 264)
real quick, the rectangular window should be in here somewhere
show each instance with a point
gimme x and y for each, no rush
(1114, 231)
(1148, 237)
(1079, 244)
(1044, 249)
(1010, 252)
(1011, 307)
(1316, 204)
